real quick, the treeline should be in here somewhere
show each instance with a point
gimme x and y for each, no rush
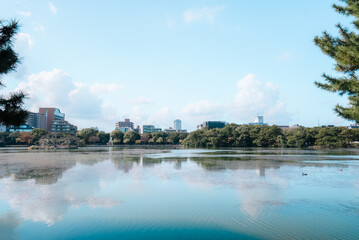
(88, 136)
(233, 135)
(132, 137)
(21, 138)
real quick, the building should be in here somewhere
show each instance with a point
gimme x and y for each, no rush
(355, 125)
(170, 130)
(51, 114)
(2, 128)
(21, 128)
(125, 129)
(212, 124)
(150, 129)
(126, 124)
(258, 121)
(62, 126)
(36, 120)
(177, 124)
(137, 130)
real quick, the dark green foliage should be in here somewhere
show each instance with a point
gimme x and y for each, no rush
(11, 112)
(344, 49)
(300, 137)
(117, 136)
(86, 133)
(103, 137)
(37, 133)
(272, 136)
(130, 137)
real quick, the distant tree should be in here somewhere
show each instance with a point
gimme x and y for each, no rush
(117, 136)
(130, 137)
(345, 51)
(159, 140)
(37, 133)
(145, 138)
(12, 138)
(104, 137)
(86, 133)
(11, 111)
(94, 139)
(26, 137)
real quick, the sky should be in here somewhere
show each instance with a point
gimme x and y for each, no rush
(156, 61)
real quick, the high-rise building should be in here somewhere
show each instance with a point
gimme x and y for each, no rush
(36, 120)
(177, 124)
(259, 121)
(126, 124)
(51, 114)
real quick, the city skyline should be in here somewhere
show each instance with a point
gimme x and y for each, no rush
(196, 61)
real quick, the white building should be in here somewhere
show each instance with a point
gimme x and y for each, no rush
(177, 124)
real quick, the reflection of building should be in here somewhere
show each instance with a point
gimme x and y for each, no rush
(62, 126)
(51, 114)
(177, 124)
(150, 129)
(126, 124)
(261, 171)
(212, 124)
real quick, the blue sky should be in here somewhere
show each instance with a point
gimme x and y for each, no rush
(155, 61)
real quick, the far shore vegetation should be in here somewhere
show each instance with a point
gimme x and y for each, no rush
(232, 135)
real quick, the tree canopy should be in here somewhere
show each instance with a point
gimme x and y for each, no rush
(11, 111)
(344, 49)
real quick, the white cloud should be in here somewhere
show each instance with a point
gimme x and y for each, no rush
(82, 103)
(201, 14)
(139, 101)
(53, 9)
(255, 97)
(23, 42)
(24, 14)
(101, 88)
(201, 108)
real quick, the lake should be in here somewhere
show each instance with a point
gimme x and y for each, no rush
(159, 193)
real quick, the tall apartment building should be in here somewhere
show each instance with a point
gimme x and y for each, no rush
(51, 114)
(177, 124)
(126, 124)
(36, 120)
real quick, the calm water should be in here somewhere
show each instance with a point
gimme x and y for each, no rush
(179, 194)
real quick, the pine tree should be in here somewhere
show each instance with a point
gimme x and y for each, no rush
(11, 111)
(345, 51)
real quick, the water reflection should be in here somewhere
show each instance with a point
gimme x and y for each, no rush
(183, 188)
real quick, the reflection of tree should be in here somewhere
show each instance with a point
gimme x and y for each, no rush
(125, 162)
(44, 167)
